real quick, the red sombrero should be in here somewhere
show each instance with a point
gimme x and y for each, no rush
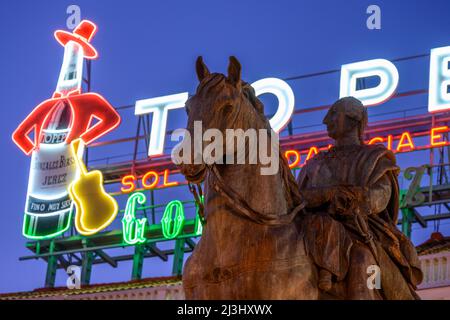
(82, 35)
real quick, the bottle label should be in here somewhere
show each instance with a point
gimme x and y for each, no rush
(52, 170)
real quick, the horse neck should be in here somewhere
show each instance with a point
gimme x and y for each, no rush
(263, 193)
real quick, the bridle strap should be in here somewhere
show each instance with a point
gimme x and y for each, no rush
(243, 210)
(198, 197)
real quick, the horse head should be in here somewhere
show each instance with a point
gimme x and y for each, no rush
(221, 103)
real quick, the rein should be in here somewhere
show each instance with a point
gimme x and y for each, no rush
(198, 197)
(242, 208)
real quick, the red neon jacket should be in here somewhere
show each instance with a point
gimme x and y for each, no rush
(85, 107)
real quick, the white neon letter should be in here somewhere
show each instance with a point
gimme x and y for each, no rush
(160, 107)
(285, 96)
(439, 95)
(382, 68)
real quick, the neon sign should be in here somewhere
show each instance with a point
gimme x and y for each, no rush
(160, 107)
(56, 173)
(150, 180)
(55, 123)
(133, 229)
(384, 70)
(405, 142)
(401, 143)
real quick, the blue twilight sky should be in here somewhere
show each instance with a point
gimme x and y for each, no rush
(148, 49)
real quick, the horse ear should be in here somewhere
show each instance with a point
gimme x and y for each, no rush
(201, 68)
(234, 71)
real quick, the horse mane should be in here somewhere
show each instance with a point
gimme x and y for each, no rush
(292, 193)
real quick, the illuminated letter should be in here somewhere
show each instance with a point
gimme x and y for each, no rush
(285, 97)
(160, 107)
(145, 178)
(439, 94)
(408, 144)
(295, 154)
(128, 180)
(381, 68)
(199, 221)
(389, 140)
(133, 229)
(436, 136)
(312, 152)
(376, 140)
(171, 228)
(166, 183)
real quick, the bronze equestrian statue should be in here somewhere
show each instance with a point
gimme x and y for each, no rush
(352, 199)
(265, 237)
(251, 246)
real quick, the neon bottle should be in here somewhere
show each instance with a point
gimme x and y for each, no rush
(48, 207)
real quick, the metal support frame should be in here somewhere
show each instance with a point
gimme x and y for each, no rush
(178, 257)
(436, 193)
(407, 219)
(138, 261)
(86, 265)
(52, 265)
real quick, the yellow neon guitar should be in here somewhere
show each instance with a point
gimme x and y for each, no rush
(95, 209)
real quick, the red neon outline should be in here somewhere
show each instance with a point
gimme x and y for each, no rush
(437, 136)
(108, 117)
(89, 51)
(84, 107)
(296, 154)
(35, 120)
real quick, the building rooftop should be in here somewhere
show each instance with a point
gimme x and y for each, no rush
(43, 293)
(435, 244)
